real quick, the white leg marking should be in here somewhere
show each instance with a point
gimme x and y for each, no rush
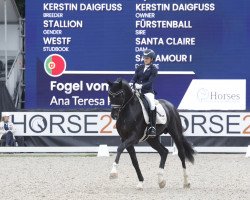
(186, 183)
(113, 173)
(161, 180)
(139, 186)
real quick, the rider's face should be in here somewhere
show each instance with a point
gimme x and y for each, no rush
(147, 60)
(6, 118)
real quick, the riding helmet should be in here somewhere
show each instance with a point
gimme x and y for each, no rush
(149, 53)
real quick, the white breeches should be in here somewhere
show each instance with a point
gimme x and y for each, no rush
(151, 100)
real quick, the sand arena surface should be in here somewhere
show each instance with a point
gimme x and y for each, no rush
(74, 176)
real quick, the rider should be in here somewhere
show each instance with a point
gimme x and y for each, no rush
(143, 80)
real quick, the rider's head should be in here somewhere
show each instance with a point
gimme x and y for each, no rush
(5, 117)
(148, 56)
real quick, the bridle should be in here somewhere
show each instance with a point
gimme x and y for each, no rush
(121, 106)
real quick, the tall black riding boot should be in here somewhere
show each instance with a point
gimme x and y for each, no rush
(152, 119)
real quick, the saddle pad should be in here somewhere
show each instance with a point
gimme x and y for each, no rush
(161, 117)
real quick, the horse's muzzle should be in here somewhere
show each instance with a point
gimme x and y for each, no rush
(115, 114)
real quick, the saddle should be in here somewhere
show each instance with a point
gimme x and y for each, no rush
(161, 117)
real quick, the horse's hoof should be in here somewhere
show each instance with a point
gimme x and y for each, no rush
(188, 185)
(162, 184)
(139, 186)
(113, 176)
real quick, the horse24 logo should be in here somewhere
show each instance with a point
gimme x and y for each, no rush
(54, 65)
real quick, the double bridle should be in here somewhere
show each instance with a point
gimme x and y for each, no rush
(121, 106)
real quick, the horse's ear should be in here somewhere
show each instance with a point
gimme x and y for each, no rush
(110, 83)
(120, 83)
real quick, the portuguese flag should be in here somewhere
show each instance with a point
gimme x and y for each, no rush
(55, 65)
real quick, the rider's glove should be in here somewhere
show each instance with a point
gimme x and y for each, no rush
(132, 86)
(138, 86)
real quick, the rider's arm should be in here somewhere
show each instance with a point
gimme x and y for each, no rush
(12, 127)
(135, 77)
(2, 130)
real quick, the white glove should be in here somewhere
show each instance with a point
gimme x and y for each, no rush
(131, 85)
(138, 86)
(10, 127)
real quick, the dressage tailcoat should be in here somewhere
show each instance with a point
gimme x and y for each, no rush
(145, 78)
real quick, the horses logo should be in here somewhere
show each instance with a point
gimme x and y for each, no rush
(38, 123)
(54, 65)
(203, 94)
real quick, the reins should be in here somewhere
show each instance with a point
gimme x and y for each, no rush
(128, 101)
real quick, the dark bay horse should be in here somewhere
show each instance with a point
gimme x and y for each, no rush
(126, 109)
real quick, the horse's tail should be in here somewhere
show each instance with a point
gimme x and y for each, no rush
(189, 151)
(176, 131)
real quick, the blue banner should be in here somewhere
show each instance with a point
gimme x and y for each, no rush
(74, 44)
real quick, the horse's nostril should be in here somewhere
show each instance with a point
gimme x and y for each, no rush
(114, 116)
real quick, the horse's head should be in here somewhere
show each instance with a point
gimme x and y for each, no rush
(119, 94)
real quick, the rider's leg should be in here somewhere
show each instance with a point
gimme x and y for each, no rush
(152, 115)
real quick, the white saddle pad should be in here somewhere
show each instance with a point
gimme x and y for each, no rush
(161, 117)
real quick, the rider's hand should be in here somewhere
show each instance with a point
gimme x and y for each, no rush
(138, 86)
(132, 86)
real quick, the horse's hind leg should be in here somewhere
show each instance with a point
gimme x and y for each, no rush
(132, 153)
(155, 144)
(181, 153)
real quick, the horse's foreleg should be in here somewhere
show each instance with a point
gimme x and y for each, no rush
(155, 144)
(132, 153)
(113, 173)
(128, 142)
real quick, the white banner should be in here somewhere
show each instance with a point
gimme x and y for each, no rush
(101, 124)
(216, 123)
(63, 124)
(215, 94)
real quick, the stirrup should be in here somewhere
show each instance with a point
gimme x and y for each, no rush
(151, 131)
